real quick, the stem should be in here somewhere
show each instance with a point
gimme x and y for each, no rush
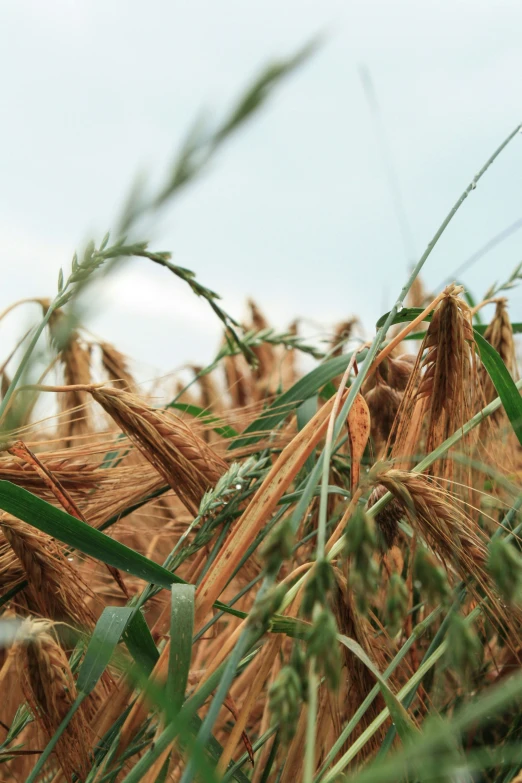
(416, 678)
(323, 501)
(416, 633)
(311, 717)
(54, 739)
(25, 359)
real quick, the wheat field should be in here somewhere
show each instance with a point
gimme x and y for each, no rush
(271, 572)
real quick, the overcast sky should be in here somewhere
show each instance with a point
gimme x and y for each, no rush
(296, 211)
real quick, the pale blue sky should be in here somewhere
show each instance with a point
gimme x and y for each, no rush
(296, 211)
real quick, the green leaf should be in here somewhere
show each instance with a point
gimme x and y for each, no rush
(405, 315)
(60, 525)
(181, 631)
(286, 403)
(503, 383)
(410, 313)
(57, 523)
(105, 637)
(221, 427)
(405, 726)
(403, 722)
(139, 642)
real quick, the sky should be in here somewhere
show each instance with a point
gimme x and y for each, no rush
(297, 209)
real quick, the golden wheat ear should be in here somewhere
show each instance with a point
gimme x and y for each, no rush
(50, 689)
(444, 388)
(188, 464)
(453, 536)
(75, 358)
(56, 590)
(116, 366)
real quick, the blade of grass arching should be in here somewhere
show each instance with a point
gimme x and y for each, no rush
(439, 735)
(220, 427)
(403, 316)
(417, 632)
(503, 383)
(479, 328)
(62, 526)
(286, 403)
(403, 722)
(383, 716)
(181, 631)
(69, 530)
(105, 637)
(410, 313)
(412, 683)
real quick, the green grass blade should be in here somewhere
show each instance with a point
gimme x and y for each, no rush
(402, 317)
(181, 632)
(405, 725)
(139, 642)
(105, 637)
(203, 414)
(33, 776)
(503, 383)
(410, 313)
(57, 523)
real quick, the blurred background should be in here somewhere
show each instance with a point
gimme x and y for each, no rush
(317, 208)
